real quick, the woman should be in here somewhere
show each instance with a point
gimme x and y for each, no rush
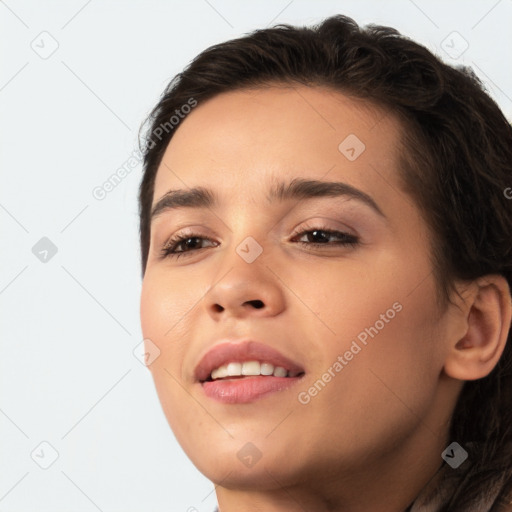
(325, 224)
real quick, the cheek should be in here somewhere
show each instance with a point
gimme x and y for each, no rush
(387, 337)
(166, 301)
(164, 307)
(379, 397)
(163, 310)
(342, 300)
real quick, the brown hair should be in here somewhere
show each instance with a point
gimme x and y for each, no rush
(456, 164)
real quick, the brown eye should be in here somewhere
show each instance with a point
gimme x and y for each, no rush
(182, 245)
(320, 236)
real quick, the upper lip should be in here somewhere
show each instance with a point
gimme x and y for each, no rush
(229, 351)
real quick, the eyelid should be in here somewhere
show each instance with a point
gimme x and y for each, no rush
(324, 223)
(192, 230)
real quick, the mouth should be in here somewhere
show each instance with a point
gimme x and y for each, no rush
(242, 372)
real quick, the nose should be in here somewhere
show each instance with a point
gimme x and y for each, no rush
(244, 289)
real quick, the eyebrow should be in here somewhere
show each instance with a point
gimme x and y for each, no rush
(298, 188)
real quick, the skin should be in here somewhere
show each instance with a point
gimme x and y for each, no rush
(372, 438)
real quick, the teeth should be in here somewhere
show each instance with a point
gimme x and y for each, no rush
(250, 368)
(234, 369)
(267, 369)
(279, 371)
(220, 373)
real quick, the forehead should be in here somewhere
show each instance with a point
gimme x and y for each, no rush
(243, 138)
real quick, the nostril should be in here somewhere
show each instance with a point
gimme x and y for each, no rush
(258, 304)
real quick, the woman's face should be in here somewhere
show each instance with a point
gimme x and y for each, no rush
(354, 315)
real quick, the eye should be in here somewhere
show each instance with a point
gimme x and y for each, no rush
(320, 237)
(184, 244)
(187, 242)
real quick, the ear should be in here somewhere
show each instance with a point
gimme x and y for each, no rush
(487, 315)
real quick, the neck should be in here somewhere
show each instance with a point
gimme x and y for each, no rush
(388, 484)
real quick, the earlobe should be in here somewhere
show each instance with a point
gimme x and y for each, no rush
(488, 317)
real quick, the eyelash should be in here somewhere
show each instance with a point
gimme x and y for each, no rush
(172, 243)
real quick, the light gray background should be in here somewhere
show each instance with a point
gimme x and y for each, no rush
(69, 120)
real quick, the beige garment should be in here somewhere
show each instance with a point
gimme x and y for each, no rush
(444, 485)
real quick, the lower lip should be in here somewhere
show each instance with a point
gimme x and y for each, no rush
(246, 389)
